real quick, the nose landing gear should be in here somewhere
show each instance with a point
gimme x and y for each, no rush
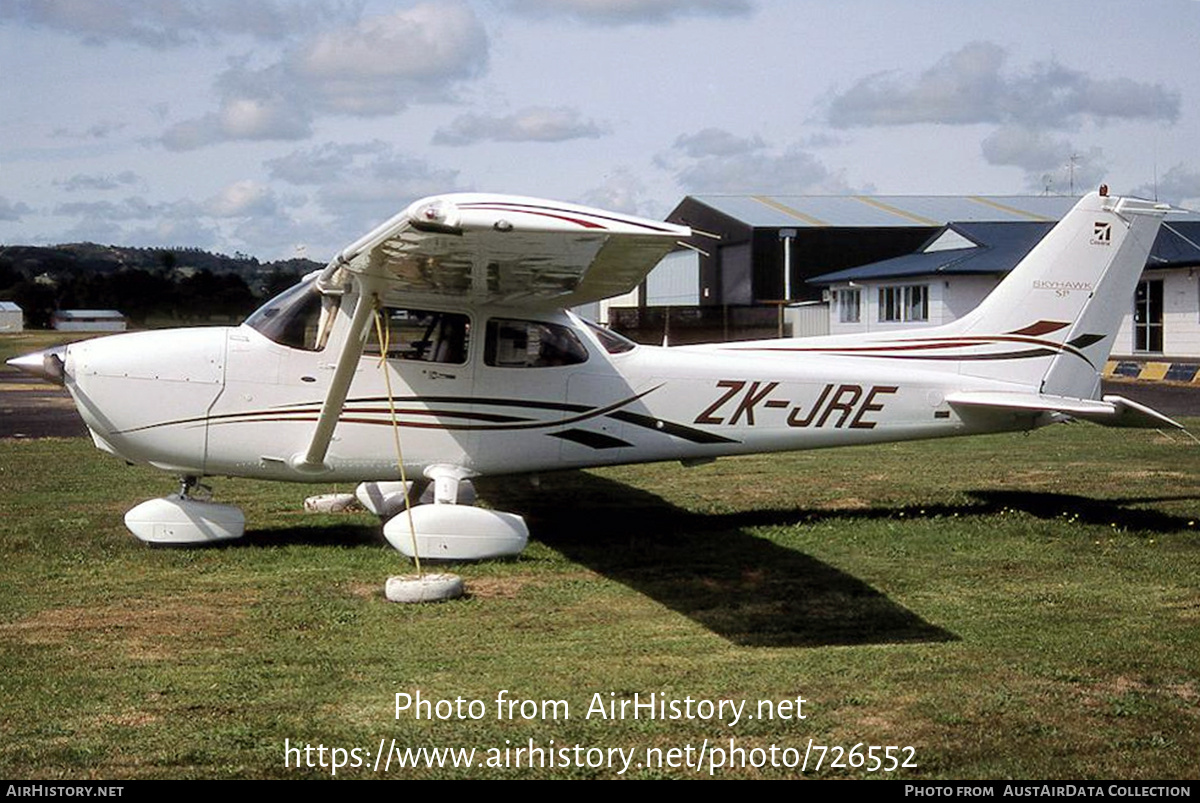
(187, 517)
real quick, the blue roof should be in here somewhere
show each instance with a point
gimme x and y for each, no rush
(1177, 246)
(1000, 246)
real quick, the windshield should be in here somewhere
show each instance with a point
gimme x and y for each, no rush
(613, 343)
(299, 317)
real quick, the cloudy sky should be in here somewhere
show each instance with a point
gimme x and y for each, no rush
(274, 125)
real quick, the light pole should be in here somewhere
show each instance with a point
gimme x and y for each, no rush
(786, 236)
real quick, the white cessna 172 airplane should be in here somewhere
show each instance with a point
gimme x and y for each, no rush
(487, 373)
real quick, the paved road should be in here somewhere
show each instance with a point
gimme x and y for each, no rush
(31, 409)
(1176, 401)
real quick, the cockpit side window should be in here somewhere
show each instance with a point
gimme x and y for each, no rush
(424, 336)
(299, 317)
(531, 344)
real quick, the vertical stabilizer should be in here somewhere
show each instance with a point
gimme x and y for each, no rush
(1061, 306)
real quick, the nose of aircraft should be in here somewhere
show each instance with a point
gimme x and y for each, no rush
(47, 364)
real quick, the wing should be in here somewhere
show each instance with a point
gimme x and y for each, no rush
(509, 249)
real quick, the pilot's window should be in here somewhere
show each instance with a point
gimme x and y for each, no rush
(425, 336)
(531, 344)
(613, 343)
(299, 317)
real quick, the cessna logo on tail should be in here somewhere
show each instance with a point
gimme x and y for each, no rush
(1102, 233)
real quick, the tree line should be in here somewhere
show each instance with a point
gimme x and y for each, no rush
(149, 286)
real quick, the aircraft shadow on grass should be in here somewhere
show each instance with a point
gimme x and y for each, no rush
(710, 568)
(1123, 513)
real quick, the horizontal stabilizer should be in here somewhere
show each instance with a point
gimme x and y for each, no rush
(1111, 411)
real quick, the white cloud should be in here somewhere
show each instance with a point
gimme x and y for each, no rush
(243, 214)
(242, 199)
(254, 118)
(360, 184)
(132, 208)
(1050, 163)
(100, 130)
(173, 232)
(378, 66)
(168, 223)
(362, 173)
(12, 211)
(105, 181)
(91, 230)
(533, 124)
(171, 23)
(971, 86)
(716, 142)
(714, 160)
(628, 12)
(791, 171)
(622, 191)
(1021, 147)
(1180, 186)
(323, 163)
(255, 105)
(388, 185)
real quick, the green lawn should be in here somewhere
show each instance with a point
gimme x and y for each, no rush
(1008, 606)
(14, 345)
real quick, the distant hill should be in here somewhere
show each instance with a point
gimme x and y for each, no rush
(151, 286)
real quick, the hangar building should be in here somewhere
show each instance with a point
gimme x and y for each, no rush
(12, 319)
(881, 262)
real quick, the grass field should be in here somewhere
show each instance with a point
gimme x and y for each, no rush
(1008, 606)
(14, 345)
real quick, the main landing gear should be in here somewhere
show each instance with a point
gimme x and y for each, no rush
(448, 528)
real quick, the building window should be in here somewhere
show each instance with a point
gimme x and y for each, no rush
(848, 303)
(1148, 317)
(916, 303)
(907, 303)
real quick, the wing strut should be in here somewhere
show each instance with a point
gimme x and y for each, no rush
(312, 461)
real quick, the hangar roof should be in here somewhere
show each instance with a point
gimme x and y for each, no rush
(853, 211)
(73, 314)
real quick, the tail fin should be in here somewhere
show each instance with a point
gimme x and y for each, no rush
(1052, 322)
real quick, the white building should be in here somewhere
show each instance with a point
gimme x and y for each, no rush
(949, 275)
(88, 320)
(11, 317)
